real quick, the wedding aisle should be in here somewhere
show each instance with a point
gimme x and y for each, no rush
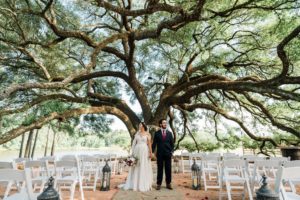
(162, 194)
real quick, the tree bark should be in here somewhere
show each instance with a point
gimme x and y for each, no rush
(28, 144)
(22, 144)
(53, 143)
(47, 142)
(34, 144)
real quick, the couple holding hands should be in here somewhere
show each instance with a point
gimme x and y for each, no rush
(140, 177)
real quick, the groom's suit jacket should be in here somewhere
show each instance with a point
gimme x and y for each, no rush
(164, 147)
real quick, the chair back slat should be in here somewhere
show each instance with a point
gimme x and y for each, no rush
(292, 163)
(6, 165)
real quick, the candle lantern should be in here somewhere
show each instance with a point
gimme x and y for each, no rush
(49, 193)
(176, 163)
(120, 166)
(106, 174)
(196, 176)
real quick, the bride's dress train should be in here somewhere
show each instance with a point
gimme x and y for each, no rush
(140, 176)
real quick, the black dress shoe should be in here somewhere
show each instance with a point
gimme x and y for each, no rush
(158, 187)
(169, 186)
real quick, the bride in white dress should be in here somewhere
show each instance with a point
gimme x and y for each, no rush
(140, 176)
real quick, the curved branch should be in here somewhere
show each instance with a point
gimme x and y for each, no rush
(135, 13)
(171, 116)
(271, 118)
(238, 86)
(119, 104)
(282, 54)
(172, 24)
(68, 114)
(227, 116)
(41, 99)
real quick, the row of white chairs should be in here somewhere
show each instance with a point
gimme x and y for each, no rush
(231, 170)
(68, 172)
(185, 165)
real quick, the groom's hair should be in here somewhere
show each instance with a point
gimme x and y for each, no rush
(161, 120)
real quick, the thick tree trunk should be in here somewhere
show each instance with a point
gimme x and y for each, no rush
(22, 144)
(53, 143)
(47, 142)
(34, 144)
(28, 144)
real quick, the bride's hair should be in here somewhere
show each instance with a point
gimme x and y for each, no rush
(145, 126)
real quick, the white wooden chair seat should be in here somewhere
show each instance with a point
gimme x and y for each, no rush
(67, 176)
(235, 176)
(91, 170)
(24, 183)
(284, 180)
(292, 196)
(210, 168)
(22, 195)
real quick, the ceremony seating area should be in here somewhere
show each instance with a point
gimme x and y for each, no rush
(27, 178)
(229, 175)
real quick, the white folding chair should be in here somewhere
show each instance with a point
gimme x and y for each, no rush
(197, 157)
(102, 161)
(280, 158)
(228, 154)
(48, 158)
(90, 171)
(23, 181)
(231, 157)
(210, 167)
(292, 163)
(7, 184)
(235, 176)
(6, 165)
(50, 163)
(283, 179)
(185, 164)
(69, 158)
(264, 167)
(250, 160)
(39, 173)
(21, 160)
(67, 176)
(113, 161)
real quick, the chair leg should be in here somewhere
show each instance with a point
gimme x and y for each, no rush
(182, 165)
(228, 190)
(72, 191)
(81, 190)
(8, 188)
(249, 190)
(220, 192)
(42, 186)
(204, 181)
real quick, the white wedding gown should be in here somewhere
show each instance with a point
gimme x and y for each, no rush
(140, 176)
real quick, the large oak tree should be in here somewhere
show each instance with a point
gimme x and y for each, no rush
(228, 59)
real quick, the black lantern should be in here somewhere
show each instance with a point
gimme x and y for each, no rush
(196, 176)
(264, 192)
(106, 173)
(176, 162)
(120, 166)
(49, 193)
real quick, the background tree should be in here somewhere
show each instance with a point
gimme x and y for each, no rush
(235, 60)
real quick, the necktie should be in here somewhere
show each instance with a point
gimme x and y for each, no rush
(164, 134)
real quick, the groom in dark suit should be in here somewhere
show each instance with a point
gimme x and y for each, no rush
(164, 141)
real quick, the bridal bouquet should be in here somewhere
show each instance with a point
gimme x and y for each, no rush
(131, 161)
